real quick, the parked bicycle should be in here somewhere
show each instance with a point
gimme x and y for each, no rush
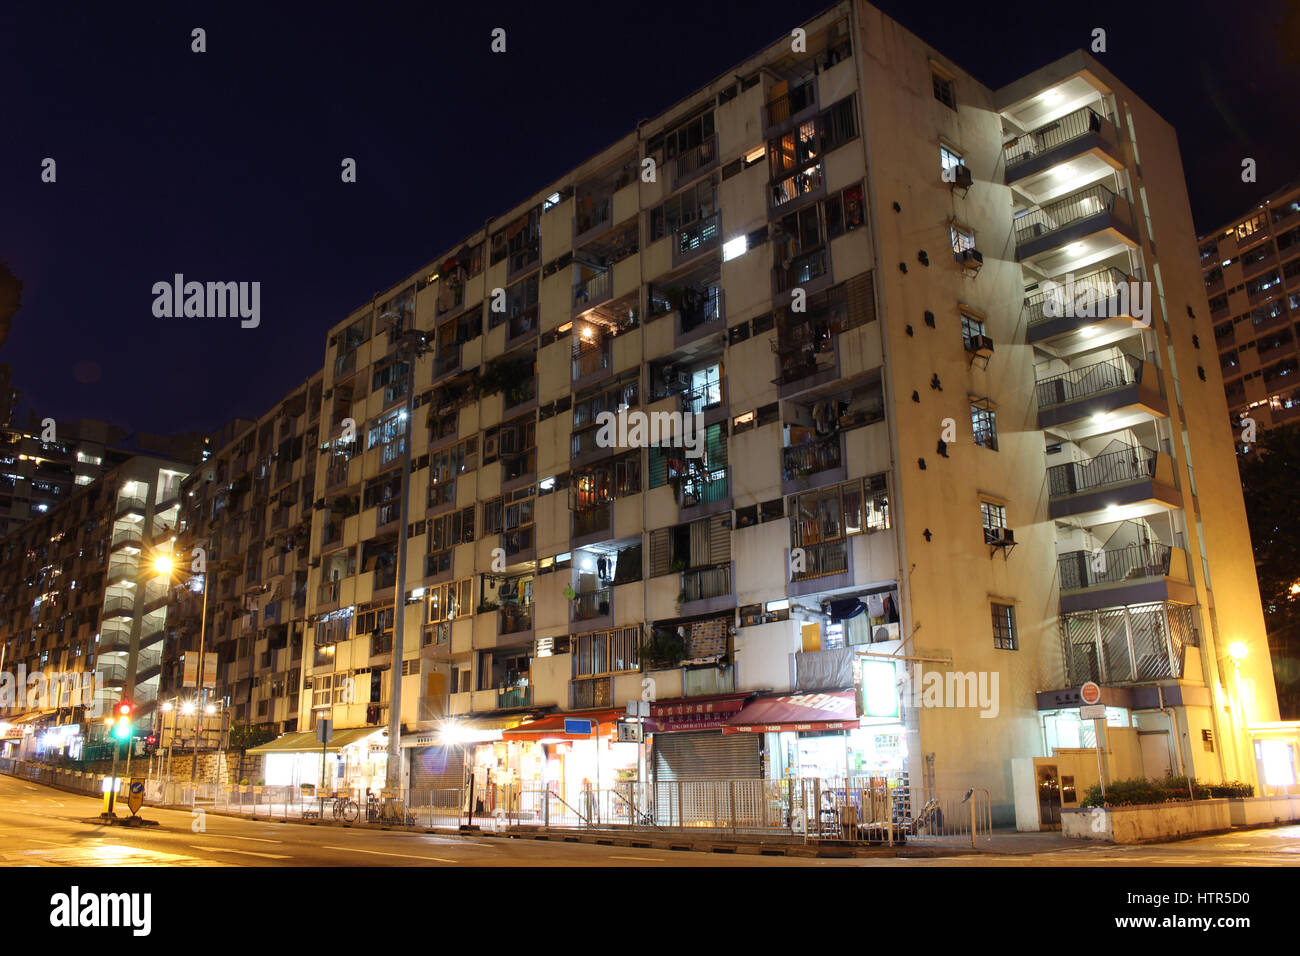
(346, 809)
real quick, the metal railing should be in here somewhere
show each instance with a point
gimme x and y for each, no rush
(1056, 215)
(594, 289)
(811, 457)
(791, 104)
(698, 234)
(801, 269)
(698, 157)
(514, 618)
(1069, 127)
(591, 604)
(1085, 569)
(520, 695)
(705, 487)
(129, 503)
(701, 397)
(126, 536)
(706, 583)
(1098, 286)
(819, 560)
(596, 216)
(1112, 468)
(1088, 380)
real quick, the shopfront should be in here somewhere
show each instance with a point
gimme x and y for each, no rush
(567, 753)
(355, 759)
(687, 742)
(820, 735)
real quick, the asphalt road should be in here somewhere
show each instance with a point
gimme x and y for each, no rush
(44, 827)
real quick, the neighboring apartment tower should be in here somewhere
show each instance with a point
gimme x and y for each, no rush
(1252, 276)
(917, 460)
(79, 594)
(246, 518)
(37, 475)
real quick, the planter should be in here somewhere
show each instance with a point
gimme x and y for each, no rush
(1147, 823)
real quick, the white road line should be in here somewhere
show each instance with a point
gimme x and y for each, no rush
(410, 856)
(643, 859)
(223, 849)
(232, 836)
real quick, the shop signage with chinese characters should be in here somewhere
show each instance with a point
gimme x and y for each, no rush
(678, 715)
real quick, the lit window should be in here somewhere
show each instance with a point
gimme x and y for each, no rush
(735, 248)
(1004, 627)
(948, 158)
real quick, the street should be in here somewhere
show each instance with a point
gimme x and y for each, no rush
(40, 826)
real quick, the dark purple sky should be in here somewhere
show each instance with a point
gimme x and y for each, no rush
(225, 165)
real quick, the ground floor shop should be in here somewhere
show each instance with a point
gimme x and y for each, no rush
(572, 755)
(355, 759)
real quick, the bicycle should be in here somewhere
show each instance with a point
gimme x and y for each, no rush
(346, 810)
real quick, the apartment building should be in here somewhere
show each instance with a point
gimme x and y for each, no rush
(1252, 276)
(79, 595)
(245, 518)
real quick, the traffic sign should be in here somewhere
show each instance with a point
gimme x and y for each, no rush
(1092, 712)
(630, 731)
(135, 796)
(579, 727)
(324, 730)
(1090, 693)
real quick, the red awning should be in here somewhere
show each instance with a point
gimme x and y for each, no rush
(694, 713)
(824, 710)
(552, 725)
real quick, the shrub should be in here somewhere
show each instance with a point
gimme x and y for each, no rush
(1139, 790)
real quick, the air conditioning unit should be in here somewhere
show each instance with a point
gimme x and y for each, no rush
(961, 177)
(980, 345)
(969, 257)
(676, 380)
(999, 537)
(489, 446)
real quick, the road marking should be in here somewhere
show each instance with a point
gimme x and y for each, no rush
(643, 859)
(232, 836)
(223, 849)
(410, 856)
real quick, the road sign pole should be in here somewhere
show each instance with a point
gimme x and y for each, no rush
(112, 784)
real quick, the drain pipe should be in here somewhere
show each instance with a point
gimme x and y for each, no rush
(1178, 740)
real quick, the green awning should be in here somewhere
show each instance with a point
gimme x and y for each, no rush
(306, 742)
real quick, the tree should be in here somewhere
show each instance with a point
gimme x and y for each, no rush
(1268, 483)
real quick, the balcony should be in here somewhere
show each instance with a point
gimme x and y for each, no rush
(328, 593)
(1081, 228)
(1100, 397)
(798, 104)
(446, 361)
(1085, 139)
(804, 270)
(593, 520)
(592, 605)
(824, 566)
(1136, 643)
(1131, 478)
(812, 463)
(1126, 575)
(591, 360)
(695, 162)
(511, 698)
(696, 238)
(699, 314)
(515, 619)
(1100, 301)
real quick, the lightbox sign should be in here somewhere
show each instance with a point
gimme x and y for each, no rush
(879, 688)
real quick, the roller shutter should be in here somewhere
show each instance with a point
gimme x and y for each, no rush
(437, 768)
(707, 755)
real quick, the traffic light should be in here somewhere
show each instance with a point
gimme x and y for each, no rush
(151, 744)
(122, 723)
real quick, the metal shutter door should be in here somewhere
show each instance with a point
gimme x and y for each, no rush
(437, 768)
(707, 755)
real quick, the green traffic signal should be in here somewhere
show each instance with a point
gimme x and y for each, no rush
(122, 729)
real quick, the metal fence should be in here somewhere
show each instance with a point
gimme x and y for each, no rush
(856, 810)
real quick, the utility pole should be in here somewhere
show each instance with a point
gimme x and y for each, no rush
(198, 690)
(412, 344)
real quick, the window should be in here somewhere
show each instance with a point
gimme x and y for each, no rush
(994, 516)
(984, 425)
(949, 157)
(963, 237)
(697, 203)
(450, 601)
(972, 329)
(1004, 627)
(520, 298)
(607, 652)
(945, 91)
(1250, 226)
(845, 211)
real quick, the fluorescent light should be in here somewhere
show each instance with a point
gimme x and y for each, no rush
(734, 248)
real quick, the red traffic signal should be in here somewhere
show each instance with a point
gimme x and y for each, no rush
(124, 709)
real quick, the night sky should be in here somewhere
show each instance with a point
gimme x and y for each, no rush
(224, 166)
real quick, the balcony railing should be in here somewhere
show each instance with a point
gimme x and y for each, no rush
(514, 618)
(592, 358)
(1142, 642)
(706, 583)
(592, 692)
(345, 364)
(1088, 380)
(1098, 286)
(702, 397)
(591, 604)
(819, 560)
(597, 215)
(594, 289)
(791, 104)
(126, 536)
(593, 519)
(802, 269)
(810, 457)
(129, 503)
(697, 235)
(523, 324)
(1112, 468)
(1069, 127)
(328, 593)
(704, 488)
(517, 540)
(1055, 216)
(1086, 569)
(118, 605)
(701, 308)
(520, 695)
(697, 158)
